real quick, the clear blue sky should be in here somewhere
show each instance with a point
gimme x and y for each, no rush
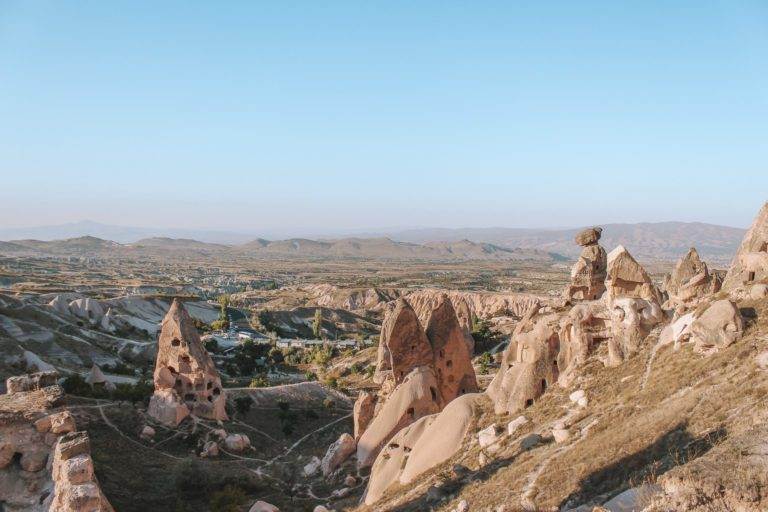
(367, 114)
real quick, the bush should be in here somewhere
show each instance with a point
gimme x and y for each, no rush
(260, 381)
(332, 382)
(75, 385)
(229, 499)
(329, 403)
(243, 404)
(211, 345)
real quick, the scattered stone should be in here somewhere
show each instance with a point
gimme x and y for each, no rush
(147, 432)
(576, 396)
(312, 467)
(350, 481)
(62, 422)
(237, 442)
(263, 506)
(337, 453)
(488, 436)
(463, 506)
(515, 424)
(210, 450)
(561, 435)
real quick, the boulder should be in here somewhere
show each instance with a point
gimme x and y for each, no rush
(337, 453)
(560, 435)
(589, 236)
(62, 422)
(237, 442)
(515, 424)
(263, 506)
(210, 450)
(312, 467)
(719, 326)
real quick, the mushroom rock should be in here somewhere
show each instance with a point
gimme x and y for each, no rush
(421, 446)
(415, 397)
(406, 341)
(631, 322)
(363, 411)
(452, 360)
(588, 274)
(719, 326)
(628, 279)
(690, 281)
(750, 265)
(529, 365)
(196, 383)
(584, 327)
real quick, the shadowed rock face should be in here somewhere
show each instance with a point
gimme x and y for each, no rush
(365, 405)
(588, 274)
(690, 281)
(583, 328)
(452, 360)
(406, 341)
(751, 262)
(186, 380)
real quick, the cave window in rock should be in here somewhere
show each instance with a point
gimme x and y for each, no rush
(750, 277)
(210, 398)
(543, 385)
(763, 248)
(172, 369)
(433, 392)
(175, 342)
(190, 397)
(410, 412)
(529, 402)
(209, 385)
(216, 391)
(178, 383)
(449, 363)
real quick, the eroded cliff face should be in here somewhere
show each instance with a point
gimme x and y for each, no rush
(45, 463)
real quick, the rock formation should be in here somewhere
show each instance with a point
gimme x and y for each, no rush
(626, 278)
(406, 342)
(690, 281)
(421, 446)
(588, 274)
(186, 380)
(30, 382)
(718, 326)
(583, 328)
(46, 465)
(528, 367)
(452, 360)
(750, 265)
(363, 412)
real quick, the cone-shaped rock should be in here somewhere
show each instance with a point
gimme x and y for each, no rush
(690, 280)
(186, 380)
(452, 360)
(628, 279)
(751, 262)
(408, 346)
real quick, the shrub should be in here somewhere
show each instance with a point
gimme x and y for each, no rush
(260, 381)
(229, 499)
(243, 404)
(211, 345)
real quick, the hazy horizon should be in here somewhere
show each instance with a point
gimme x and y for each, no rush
(359, 117)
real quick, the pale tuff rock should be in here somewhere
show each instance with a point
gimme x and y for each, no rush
(87, 309)
(108, 321)
(529, 366)
(516, 424)
(452, 359)
(186, 380)
(464, 315)
(750, 265)
(489, 436)
(337, 453)
(75, 486)
(263, 506)
(147, 432)
(417, 396)
(719, 326)
(560, 435)
(421, 446)
(678, 332)
(363, 411)
(690, 281)
(589, 272)
(480, 304)
(312, 467)
(30, 382)
(631, 322)
(237, 442)
(210, 450)
(97, 378)
(626, 278)
(408, 345)
(59, 304)
(585, 326)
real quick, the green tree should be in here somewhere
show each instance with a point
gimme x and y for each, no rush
(317, 325)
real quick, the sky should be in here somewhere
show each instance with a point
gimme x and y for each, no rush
(354, 115)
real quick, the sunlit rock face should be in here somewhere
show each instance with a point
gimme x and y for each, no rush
(750, 265)
(588, 274)
(186, 380)
(689, 282)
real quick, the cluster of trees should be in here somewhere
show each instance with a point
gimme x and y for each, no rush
(140, 392)
(222, 323)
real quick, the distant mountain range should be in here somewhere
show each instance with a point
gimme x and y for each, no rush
(649, 241)
(345, 248)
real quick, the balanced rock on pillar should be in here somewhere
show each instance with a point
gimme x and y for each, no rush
(588, 274)
(186, 380)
